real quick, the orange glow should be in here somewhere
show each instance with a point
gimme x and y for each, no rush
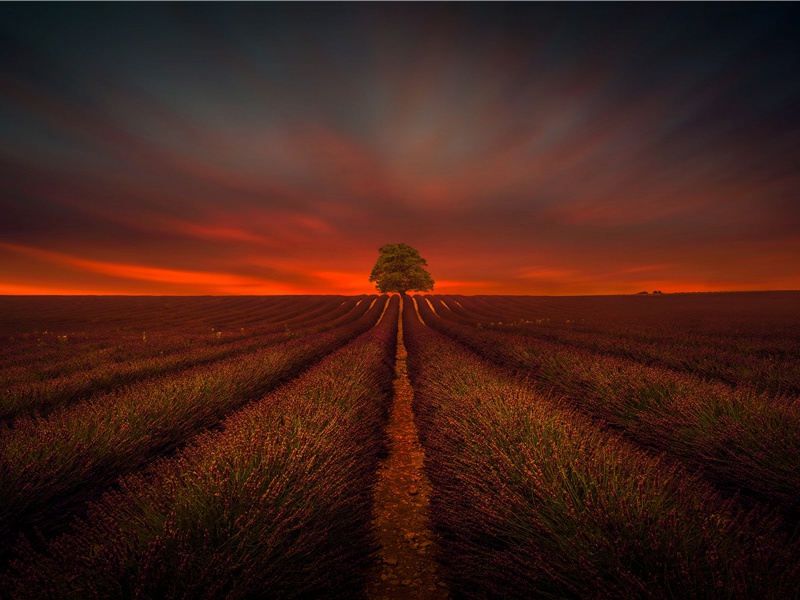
(211, 231)
(73, 274)
(530, 155)
(196, 281)
(39, 290)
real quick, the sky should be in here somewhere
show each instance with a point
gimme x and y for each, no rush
(522, 148)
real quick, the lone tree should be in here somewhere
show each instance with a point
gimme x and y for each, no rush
(400, 269)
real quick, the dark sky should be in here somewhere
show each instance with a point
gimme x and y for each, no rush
(530, 148)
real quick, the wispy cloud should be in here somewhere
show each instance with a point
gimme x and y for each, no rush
(523, 148)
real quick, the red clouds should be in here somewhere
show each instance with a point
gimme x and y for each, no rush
(521, 149)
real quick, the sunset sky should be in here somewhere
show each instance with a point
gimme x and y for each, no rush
(263, 148)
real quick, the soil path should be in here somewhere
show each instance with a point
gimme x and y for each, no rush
(407, 569)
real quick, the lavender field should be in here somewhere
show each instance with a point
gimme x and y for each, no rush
(227, 447)
(617, 447)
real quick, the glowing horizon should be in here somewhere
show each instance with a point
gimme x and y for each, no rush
(522, 149)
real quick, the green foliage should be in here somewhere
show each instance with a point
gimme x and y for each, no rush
(400, 268)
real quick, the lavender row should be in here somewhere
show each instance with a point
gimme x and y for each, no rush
(43, 397)
(277, 504)
(63, 350)
(49, 466)
(740, 440)
(121, 313)
(762, 354)
(167, 325)
(531, 499)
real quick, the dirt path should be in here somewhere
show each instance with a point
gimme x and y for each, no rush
(408, 569)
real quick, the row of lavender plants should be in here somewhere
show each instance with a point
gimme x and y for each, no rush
(742, 314)
(48, 369)
(50, 466)
(275, 505)
(43, 397)
(43, 355)
(741, 440)
(84, 313)
(59, 350)
(766, 358)
(33, 330)
(532, 500)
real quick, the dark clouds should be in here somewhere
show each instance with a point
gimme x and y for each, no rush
(522, 147)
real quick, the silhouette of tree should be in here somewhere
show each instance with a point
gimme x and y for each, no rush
(400, 268)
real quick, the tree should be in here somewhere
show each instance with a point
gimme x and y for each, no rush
(400, 269)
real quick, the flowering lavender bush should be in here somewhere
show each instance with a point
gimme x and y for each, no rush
(531, 499)
(276, 504)
(50, 466)
(740, 439)
(737, 340)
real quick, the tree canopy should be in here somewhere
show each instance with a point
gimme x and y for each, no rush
(400, 268)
